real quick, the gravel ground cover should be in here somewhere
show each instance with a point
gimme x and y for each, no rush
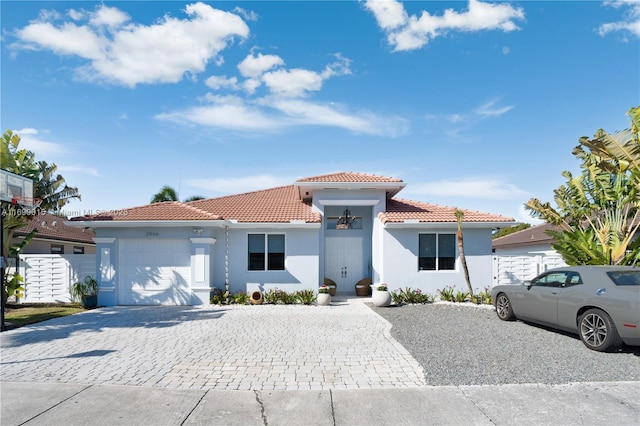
(468, 345)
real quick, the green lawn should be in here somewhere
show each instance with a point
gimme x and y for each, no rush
(20, 315)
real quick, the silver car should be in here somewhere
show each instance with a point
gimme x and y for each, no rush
(599, 303)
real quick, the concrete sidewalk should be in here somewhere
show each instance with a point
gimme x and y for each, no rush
(52, 404)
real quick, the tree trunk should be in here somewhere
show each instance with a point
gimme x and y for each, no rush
(463, 260)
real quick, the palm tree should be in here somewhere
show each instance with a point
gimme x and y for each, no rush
(599, 210)
(166, 193)
(50, 188)
(463, 260)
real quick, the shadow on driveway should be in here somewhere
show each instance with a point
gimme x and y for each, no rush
(97, 320)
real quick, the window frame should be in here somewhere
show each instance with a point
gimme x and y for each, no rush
(437, 249)
(266, 253)
(57, 249)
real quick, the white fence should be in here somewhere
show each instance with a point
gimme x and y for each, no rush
(514, 269)
(48, 277)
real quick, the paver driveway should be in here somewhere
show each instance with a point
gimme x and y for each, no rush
(266, 347)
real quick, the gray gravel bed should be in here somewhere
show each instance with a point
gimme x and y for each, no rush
(467, 345)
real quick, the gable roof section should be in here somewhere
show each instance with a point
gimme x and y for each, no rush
(53, 227)
(275, 205)
(527, 237)
(349, 177)
(164, 211)
(399, 210)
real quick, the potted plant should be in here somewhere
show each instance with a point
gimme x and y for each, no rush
(381, 295)
(324, 298)
(86, 291)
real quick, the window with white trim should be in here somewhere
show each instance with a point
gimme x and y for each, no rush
(436, 252)
(266, 252)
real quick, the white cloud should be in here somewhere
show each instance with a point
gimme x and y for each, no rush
(631, 20)
(30, 140)
(489, 109)
(406, 32)
(79, 169)
(232, 116)
(298, 82)
(134, 54)
(240, 184)
(470, 187)
(222, 82)
(255, 66)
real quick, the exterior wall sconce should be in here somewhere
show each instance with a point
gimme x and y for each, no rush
(197, 231)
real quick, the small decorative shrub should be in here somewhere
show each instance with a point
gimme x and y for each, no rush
(447, 294)
(323, 289)
(409, 295)
(382, 287)
(241, 298)
(220, 297)
(306, 297)
(460, 296)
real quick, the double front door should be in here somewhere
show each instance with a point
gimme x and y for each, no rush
(344, 262)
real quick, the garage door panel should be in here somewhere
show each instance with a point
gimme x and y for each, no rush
(155, 272)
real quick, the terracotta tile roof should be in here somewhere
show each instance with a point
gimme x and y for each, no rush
(280, 204)
(399, 210)
(168, 210)
(530, 236)
(346, 177)
(52, 227)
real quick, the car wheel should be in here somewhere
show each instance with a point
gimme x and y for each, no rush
(503, 308)
(598, 332)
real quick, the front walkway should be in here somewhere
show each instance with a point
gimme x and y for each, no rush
(284, 347)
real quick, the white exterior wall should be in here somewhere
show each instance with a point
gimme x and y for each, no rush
(301, 261)
(400, 261)
(513, 266)
(48, 277)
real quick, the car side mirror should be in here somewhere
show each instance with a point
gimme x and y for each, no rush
(527, 284)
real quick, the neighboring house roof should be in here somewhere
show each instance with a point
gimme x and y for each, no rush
(292, 203)
(527, 237)
(53, 227)
(399, 210)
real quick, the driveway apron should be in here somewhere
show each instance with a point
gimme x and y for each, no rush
(264, 347)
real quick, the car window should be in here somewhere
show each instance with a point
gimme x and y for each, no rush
(573, 278)
(625, 277)
(552, 279)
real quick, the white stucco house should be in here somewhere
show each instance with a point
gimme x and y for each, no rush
(342, 226)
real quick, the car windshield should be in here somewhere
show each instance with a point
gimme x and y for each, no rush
(625, 277)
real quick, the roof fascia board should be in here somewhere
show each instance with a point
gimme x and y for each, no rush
(274, 225)
(442, 225)
(391, 187)
(337, 202)
(144, 223)
(59, 240)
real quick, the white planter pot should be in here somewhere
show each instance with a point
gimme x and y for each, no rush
(381, 298)
(323, 298)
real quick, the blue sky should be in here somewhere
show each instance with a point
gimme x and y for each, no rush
(475, 105)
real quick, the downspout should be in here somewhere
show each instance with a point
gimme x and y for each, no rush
(226, 263)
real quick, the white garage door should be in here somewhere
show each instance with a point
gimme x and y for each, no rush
(154, 272)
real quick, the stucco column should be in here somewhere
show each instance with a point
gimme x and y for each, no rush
(201, 269)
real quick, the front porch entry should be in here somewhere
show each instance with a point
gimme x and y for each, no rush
(344, 262)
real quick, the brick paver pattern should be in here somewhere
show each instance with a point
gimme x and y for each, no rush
(267, 347)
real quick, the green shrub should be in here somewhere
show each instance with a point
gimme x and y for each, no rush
(446, 294)
(241, 298)
(461, 296)
(306, 297)
(409, 295)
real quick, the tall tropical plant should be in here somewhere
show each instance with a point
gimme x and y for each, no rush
(463, 260)
(166, 193)
(49, 187)
(599, 209)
